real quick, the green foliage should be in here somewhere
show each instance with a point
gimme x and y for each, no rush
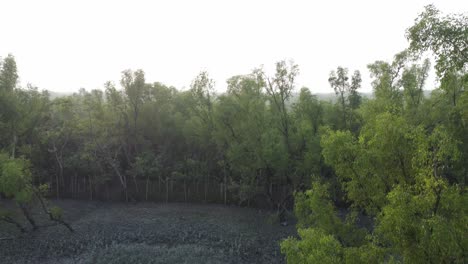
(15, 179)
(8, 74)
(313, 208)
(370, 166)
(349, 98)
(445, 36)
(315, 246)
(368, 253)
(426, 223)
(386, 84)
(422, 218)
(56, 212)
(146, 164)
(405, 167)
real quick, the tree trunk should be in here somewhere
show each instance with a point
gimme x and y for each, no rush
(136, 184)
(185, 191)
(62, 179)
(167, 190)
(12, 221)
(77, 186)
(84, 187)
(221, 190)
(59, 177)
(72, 180)
(28, 216)
(122, 178)
(13, 151)
(225, 185)
(147, 183)
(90, 189)
(206, 188)
(107, 191)
(51, 216)
(57, 185)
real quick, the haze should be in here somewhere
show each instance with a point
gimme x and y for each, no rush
(63, 46)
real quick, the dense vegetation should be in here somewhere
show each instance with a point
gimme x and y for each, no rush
(399, 159)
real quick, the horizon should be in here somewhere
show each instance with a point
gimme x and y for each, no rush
(95, 42)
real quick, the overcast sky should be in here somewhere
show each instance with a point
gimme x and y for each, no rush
(65, 45)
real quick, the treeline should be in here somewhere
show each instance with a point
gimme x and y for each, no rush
(148, 141)
(400, 158)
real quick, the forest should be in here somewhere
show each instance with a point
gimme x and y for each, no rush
(364, 179)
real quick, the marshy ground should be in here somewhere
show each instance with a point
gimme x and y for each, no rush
(148, 233)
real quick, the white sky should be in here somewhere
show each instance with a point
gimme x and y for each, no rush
(64, 45)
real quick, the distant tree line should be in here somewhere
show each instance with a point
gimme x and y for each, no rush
(148, 141)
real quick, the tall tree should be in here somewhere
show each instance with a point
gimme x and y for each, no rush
(134, 86)
(348, 96)
(445, 36)
(8, 74)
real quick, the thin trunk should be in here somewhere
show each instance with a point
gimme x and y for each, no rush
(51, 216)
(135, 128)
(107, 191)
(59, 160)
(84, 187)
(13, 151)
(77, 186)
(28, 216)
(153, 190)
(57, 185)
(71, 186)
(206, 188)
(185, 191)
(90, 189)
(147, 183)
(225, 184)
(62, 179)
(221, 188)
(343, 104)
(438, 192)
(136, 185)
(78, 190)
(167, 190)
(110, 160)
(122, 178)
(12, 221)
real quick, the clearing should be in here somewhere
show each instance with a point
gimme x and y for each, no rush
(148, 233)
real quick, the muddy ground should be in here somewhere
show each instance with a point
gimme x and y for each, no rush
(148, 233)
